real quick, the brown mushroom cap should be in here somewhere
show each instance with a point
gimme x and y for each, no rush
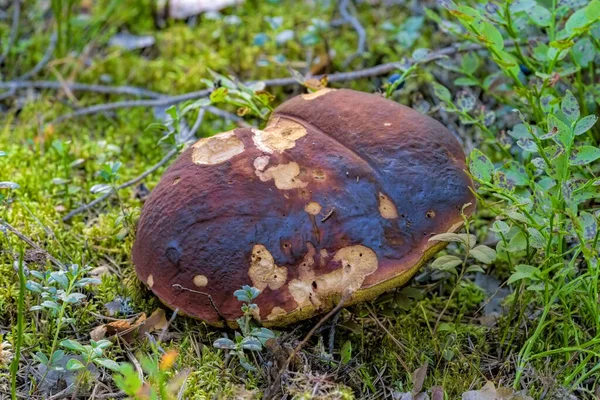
(339, 193)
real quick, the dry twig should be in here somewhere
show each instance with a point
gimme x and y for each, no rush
(31, 243)
(360, 31)
(13, 30)
(42, 63)
(172, 153)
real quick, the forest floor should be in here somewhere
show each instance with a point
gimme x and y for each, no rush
(453, 331)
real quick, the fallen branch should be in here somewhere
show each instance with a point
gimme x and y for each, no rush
(161, 100)
(377, 70)
(42, 63)
(360, 31)
(13, 30)
(172, 153)
(31, 243)
(80, 87)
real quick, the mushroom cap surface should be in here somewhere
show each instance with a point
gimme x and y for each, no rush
(339, 194)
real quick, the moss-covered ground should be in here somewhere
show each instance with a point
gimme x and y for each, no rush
(377, 346)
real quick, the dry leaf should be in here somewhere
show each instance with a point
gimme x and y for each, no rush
(437, 393)
(418, 377)
(131, 329)
(487, 392)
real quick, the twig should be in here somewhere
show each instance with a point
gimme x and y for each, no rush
(42, 63)
(212, 302)
(164, 329)
(127, 184)
(9, 93)
(172, 153)
(377, 70)
(327, 316)
(31, 243)
(80, 87)
(360, 31)
(13, 30)
(161, 100)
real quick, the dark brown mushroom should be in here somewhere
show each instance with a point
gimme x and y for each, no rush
(339, 193)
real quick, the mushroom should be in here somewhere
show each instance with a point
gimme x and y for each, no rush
(337, 197)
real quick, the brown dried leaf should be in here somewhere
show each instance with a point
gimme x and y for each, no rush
(487, 392)
(437, 393)
(98, 333)
(418, 377)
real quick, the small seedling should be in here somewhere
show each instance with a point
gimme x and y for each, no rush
(251, 337)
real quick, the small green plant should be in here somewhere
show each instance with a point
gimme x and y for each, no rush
(58, 292)
(471, 252)
(14, 366)
(110, 175)
(251, 337)
(89, 353)
(160, 382)
(251, 99)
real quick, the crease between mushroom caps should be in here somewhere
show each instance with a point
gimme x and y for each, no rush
(341, 191)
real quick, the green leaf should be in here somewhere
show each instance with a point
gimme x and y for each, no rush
(584, 52)
(480, 166)
(521, 5)
(446, 263)
(50, 304)
(470, 63)
(73, 345)
(527, 145)
(224, 343)
(251, 343)
(500, 227)
(589, 226)
(540, 15)
(469, 240)
(585, 124)
(536, 239)
(584, 155)
(492, 35)
(483, 254)
(517, 243)
(592, 11)
(560, 132)
(109, 364)
(475, 268)
(523, 272)
(577, 21)
(570, 107)
(74, 365)
(219, 95)
(465, 81)
(442, 93)
(512, 174)
(346, 353)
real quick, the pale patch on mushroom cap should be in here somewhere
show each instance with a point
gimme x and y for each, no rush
(276, 312)
(279, 135)
(217, 149)
(318, 93)
(200, 280)
(260, 163)
(313, 208)
(357, 262)
(387, 208)
(284, 175)
(263, 271)
(150, 280)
